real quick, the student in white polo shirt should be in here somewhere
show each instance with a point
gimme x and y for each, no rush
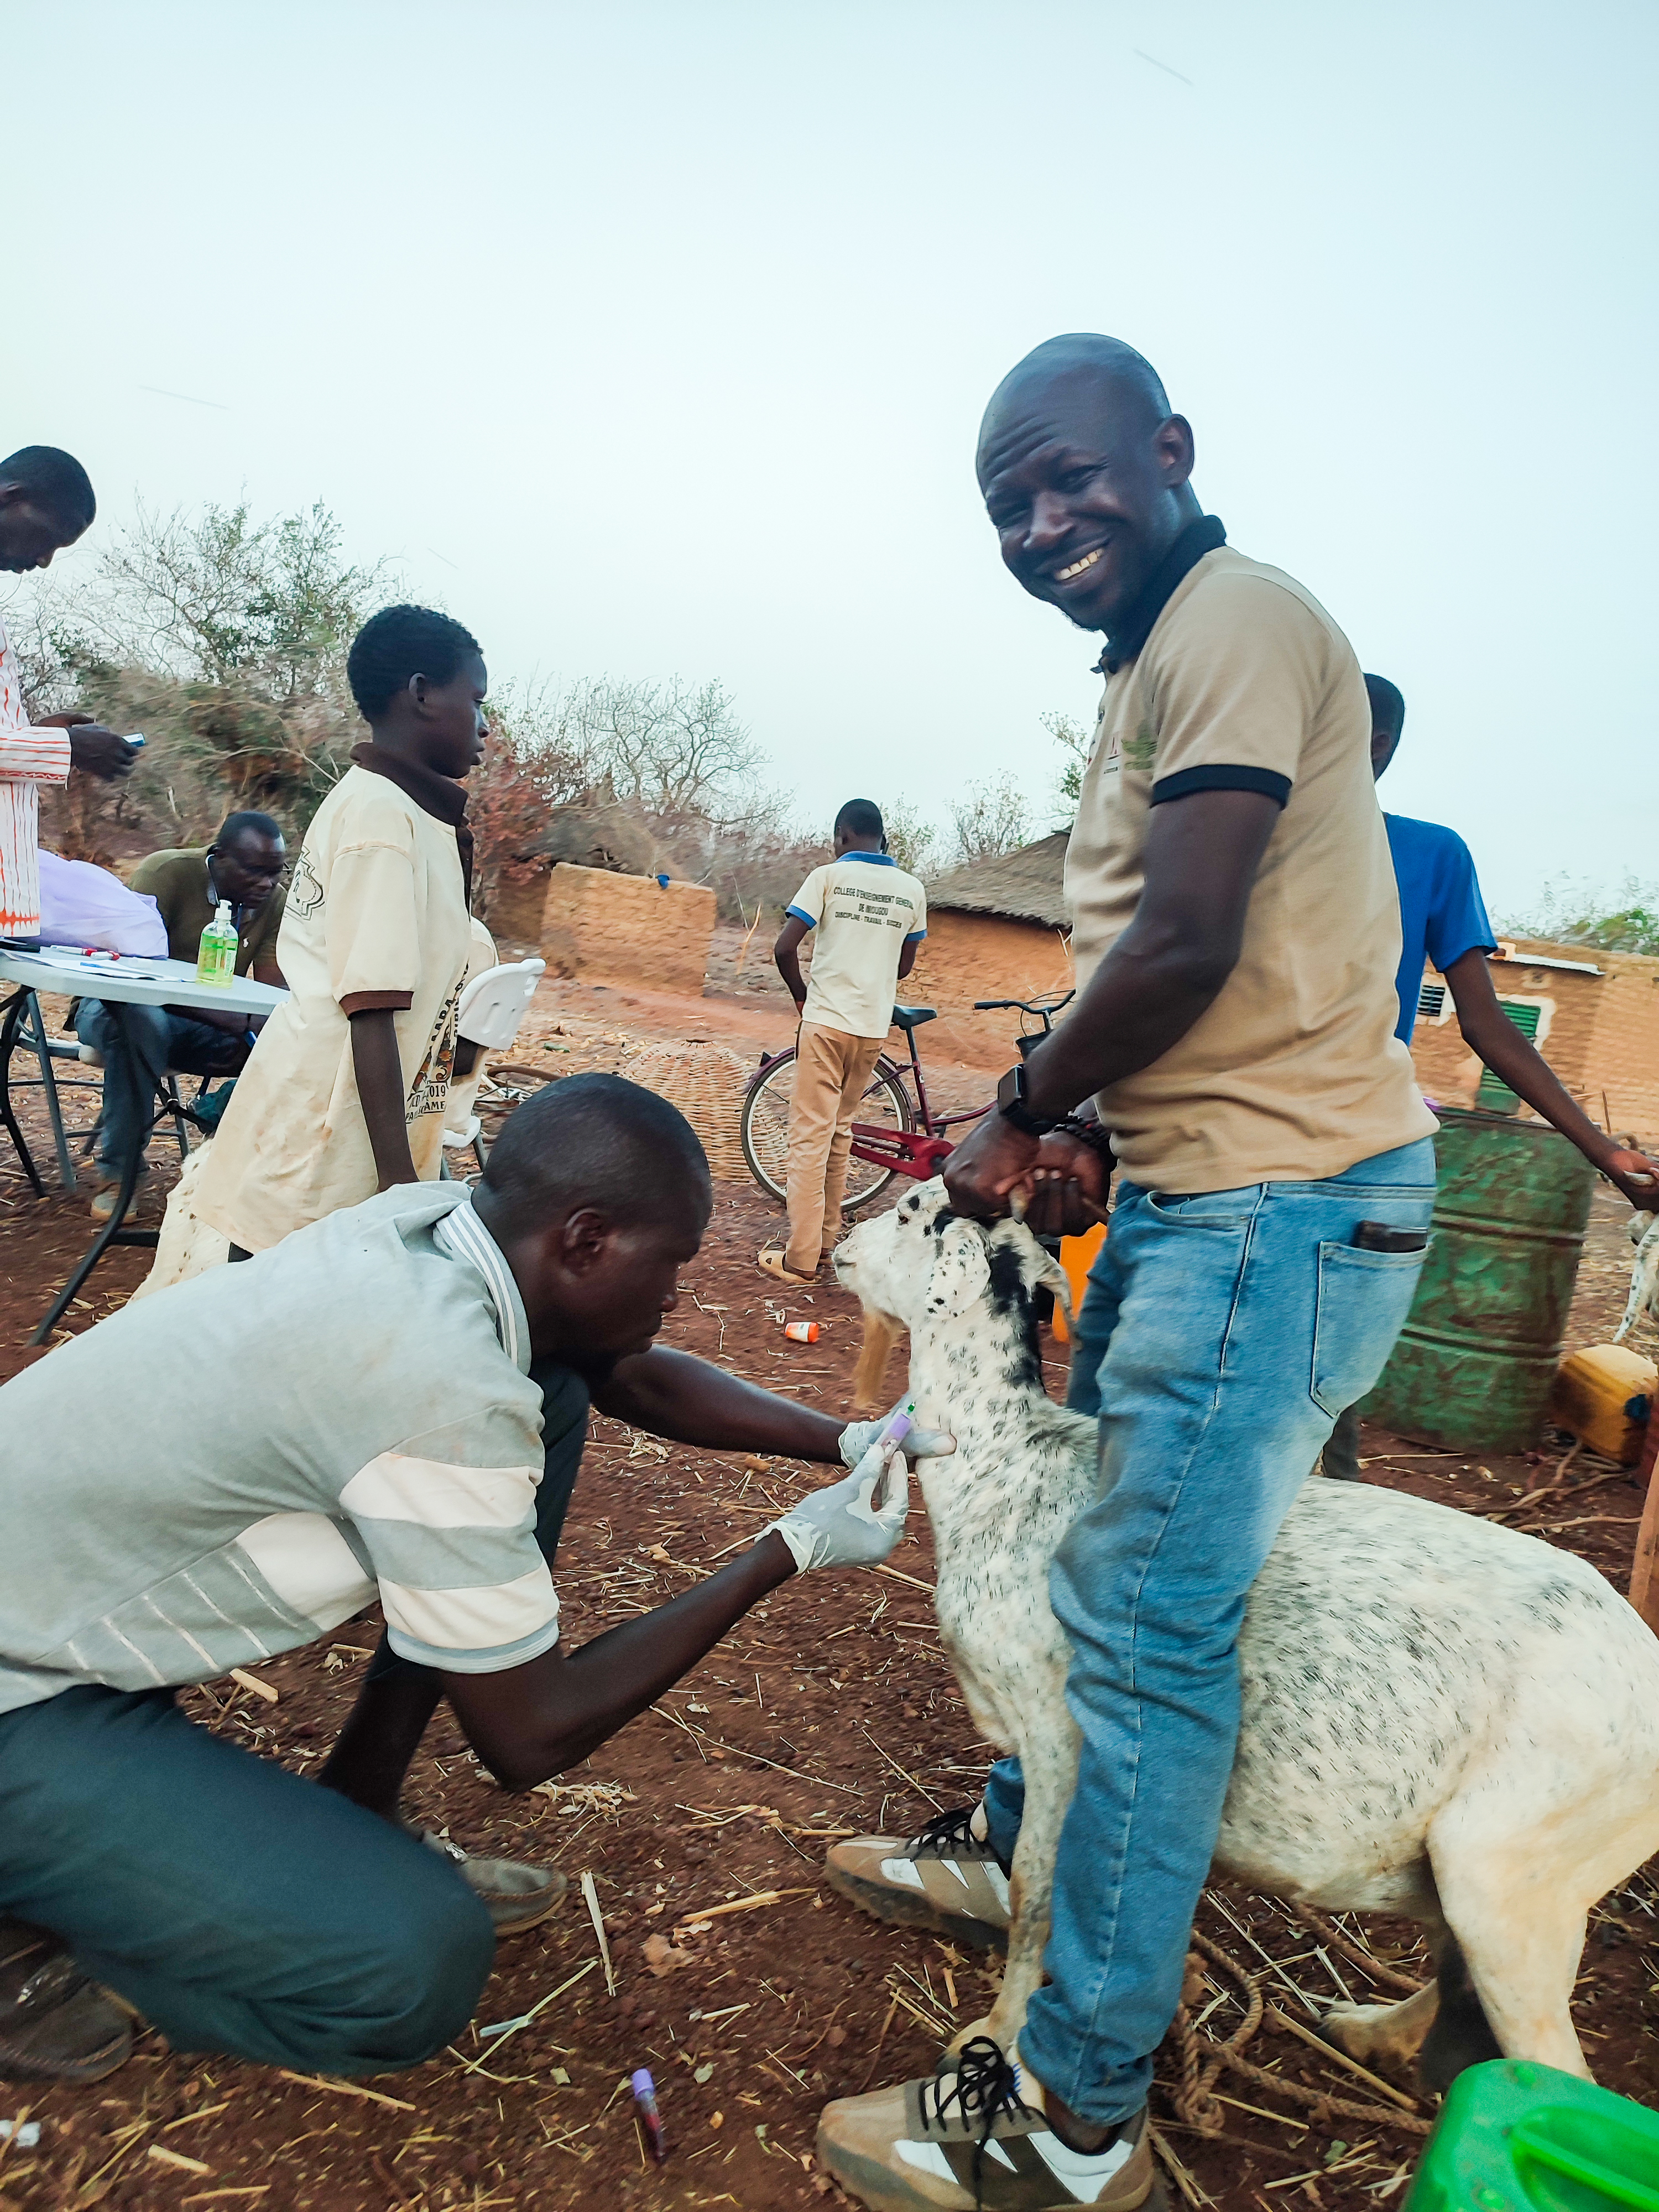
(870, 917)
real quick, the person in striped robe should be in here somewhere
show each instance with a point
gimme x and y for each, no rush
(46, 503)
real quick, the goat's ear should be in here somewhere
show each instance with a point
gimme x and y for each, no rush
(1049, 1271)
(1037, 1265)
(961, 1271)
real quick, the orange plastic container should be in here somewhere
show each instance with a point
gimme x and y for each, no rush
(1077, 1257)
(801, 1331)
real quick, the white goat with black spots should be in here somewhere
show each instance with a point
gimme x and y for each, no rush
(1644, 1275)
(1442, 1718)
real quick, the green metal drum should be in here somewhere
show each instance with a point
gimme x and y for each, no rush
(1476, 1358)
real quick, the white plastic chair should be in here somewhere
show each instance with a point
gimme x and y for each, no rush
(489, 1014)
(493, 1006)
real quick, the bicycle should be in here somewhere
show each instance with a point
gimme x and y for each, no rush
(888, 1138)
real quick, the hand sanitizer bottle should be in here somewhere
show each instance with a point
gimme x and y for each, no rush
(216, 962)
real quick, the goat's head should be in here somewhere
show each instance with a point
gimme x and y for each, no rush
(923, 1264)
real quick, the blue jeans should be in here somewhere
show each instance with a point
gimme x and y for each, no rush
(159, 1041)
(1220, 1337)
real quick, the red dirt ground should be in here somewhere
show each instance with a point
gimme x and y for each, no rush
(828, 1710)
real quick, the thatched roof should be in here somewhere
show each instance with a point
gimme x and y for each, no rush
(1024, 886)
(599, 834)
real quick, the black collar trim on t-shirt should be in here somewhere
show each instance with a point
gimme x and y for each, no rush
(1124, 643)
(440, 796)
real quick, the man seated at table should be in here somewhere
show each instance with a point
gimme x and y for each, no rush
(243, 864)
(390, 1404)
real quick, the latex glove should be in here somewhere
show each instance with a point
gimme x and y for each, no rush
(843, 1526)
(857, 1437)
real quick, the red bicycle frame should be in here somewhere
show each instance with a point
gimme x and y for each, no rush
(912, 1152)
(907, 1152)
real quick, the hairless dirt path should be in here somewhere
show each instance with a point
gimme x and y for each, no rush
(829, 1710)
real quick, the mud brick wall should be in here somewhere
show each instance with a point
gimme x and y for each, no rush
(627, 929)
(514, 912)
(977, 956)
(1446, 1068)
(1624, 1053)
(1602, 1039)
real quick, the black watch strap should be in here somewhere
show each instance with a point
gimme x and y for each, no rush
(1010, 1103)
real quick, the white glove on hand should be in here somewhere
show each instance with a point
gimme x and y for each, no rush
(857, 1437)
(843, 1526)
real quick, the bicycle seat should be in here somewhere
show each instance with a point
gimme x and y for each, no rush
(911, 1017)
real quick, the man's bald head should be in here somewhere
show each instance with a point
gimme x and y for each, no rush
(1113, 374)
(46, 503)
(1085, 472)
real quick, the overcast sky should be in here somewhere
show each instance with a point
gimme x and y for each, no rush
(654, 339)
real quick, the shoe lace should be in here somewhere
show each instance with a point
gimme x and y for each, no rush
(946, 1834)
(984, 2088)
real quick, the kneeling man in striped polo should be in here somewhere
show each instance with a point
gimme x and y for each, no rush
(388, 1406)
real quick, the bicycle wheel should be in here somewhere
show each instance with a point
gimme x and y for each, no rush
(764, 1129)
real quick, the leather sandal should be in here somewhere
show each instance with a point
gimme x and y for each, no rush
(770, 1260)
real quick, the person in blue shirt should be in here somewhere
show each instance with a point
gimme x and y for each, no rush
(1442, 918)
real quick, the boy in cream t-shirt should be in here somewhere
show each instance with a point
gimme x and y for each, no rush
(869, 918)
(346, 1091)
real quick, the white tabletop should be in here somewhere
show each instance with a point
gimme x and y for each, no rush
(131, 980)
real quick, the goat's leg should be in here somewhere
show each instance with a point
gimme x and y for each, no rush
(1521, 1933)
(881, 1333)
(1048, 1756)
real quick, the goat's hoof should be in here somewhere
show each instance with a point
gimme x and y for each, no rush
(1369, 2033)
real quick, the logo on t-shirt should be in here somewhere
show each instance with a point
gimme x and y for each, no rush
(305, 893)
(891, 908)
(429, 1092)
(1141, 749)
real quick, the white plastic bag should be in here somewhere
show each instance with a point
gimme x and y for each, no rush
(90, 908)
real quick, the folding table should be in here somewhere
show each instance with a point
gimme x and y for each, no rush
(117, 983)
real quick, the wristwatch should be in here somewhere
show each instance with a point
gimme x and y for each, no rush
(1010, 1103)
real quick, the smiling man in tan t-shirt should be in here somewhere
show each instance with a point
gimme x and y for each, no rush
(1236, 936)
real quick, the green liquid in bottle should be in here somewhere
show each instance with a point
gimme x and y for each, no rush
(216, 963)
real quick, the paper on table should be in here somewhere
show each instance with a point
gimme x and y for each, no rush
(61, 956)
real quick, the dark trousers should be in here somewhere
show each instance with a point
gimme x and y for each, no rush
(1341, 1454)
(239, 1907)
(138, 1052)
